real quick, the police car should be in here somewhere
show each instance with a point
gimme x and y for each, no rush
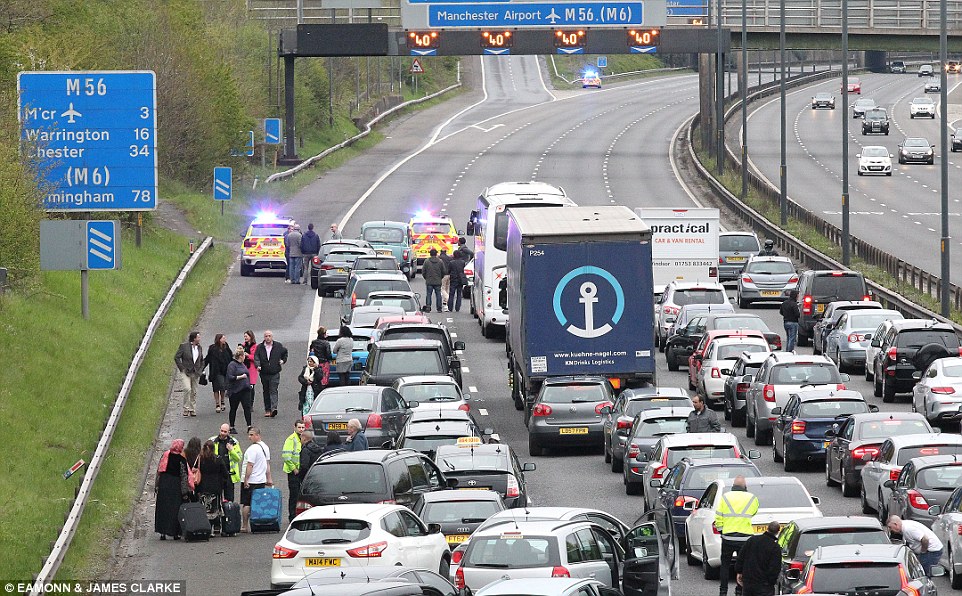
(590, 79)
(432, 231)
(263, 246)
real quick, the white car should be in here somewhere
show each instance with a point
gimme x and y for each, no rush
(552, 586)
(933, 85)
(948, 527)
(874, 159)
(938, 394)
(678, 294)
(875, 341)
(357, 535)
(894, 453)
(922, 106)
(718, 361)
(435, 392)
(780, 498)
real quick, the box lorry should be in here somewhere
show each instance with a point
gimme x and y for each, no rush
(684, 244)
(579, 296)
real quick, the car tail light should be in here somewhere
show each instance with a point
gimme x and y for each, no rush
(892, 353)
(301, 507)
(741, 387)
(368, 551)
(615, 382)
(249, 243)
(768, 392)
(459, 579)
(894, 474)
(958, 529)
(326, 267)
(960, 350)
(680, 501)
(624, 424)
(659, 471)
(558, 571)
(721, 260)
(797, 565)
(353, 300)
(807, 588)
(798, 427)
(672, 310)
(715, 373)
(714, 529)
(855, 337)
(634, 451)
(839, 386)
(866, 298)
(598, 407)
(405, 255)
(943, 390)
(464, 407)
(865, 452)
(457, 554)
(713, 272)
(373, 421)
(316, 260)
(387, 502)
(793, 280)
(281, 552)
(513, 488)
(807, 304)
(541, 410)
(906, 588)
(777, 342)
(917, 501)
(747, 279)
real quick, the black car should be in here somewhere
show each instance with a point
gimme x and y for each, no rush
(876, 122)
(816, 288)
(800, 538)
(916, 150)
(910, 346)
(367, 581)
(799, 427)
(495, 467)
(426, 437)
(381, 411)
(436, 331)
(327, 248)
(371, 476)
(617, 418)
(458, 512)
(390, 359)
(335, 270)
(857, 439)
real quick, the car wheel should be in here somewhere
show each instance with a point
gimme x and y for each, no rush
(888, 390)
(847, 489)
(883, 514)
(816, 349)
(866, 508)
(803, 340)
(246, 270)
(632, 488)
(761, 438)
(485, 329)
(742, 303)
(775, 456)
(868, 372)
(838, 361)
(860, 173)
(617, 464)
(661, 343)
(534, 450)
(877, 387)
(672, 361)
(709, 571)
(888, 173)
(738, 418)
(901, 161)
(828, 475)
(445, 568)
(749, 425)
(607, 455)
(790, 465)
(954, 578)
(691, 385)
(692, 559)
(728, 410)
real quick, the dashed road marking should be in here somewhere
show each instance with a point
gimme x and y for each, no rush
(472, 389)
(465, 369)
(482, 411)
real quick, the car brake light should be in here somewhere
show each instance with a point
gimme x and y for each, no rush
(464, 407)
(798, 427)
(598, 407)
(747, 279)
(541, 410)
(866, 298)
(367, 551)
(680, 501)
(721, 260)
(865, 452)
(797, 565)
(807, 588)
(624, 424)
(301, 507)
(793, 280)
(892, 353)
(839, 386)
(715, 373)
(741, 387)
(316, 260)
(917, 501)
(387, 502)
(249, 243)
(960, 350)
(768, 392)
(672, 310)
(353, 300)
(459, 579)
(327, 267)
(714, 529)
(281, 552)
(777, 343)
(943, 390)
(373, 421)
(894, 474)
(906, 588)
(659, 471)
(807, 304)
(557, 571)
(713, 272)
(513, 489)
(855, 337)
(405, 254)
(633, 451)
(958, 529)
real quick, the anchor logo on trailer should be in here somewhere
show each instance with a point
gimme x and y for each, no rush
(589, 297)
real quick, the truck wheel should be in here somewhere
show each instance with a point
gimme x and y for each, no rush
(534, 450)
(246, 270)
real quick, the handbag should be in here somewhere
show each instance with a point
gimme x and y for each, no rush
(203, 379)
(308, 400)
(326, 367)
(194, 475)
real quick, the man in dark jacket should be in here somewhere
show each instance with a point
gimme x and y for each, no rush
(790, 315)
(310, 246)
(190, 365)
(433, 271)
(310, 451)
(701, 419)
(356, 439)
(466, 252)
(759, 563)
(269, 358)
(458, 281)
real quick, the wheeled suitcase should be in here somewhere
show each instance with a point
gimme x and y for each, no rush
(266, 510)
(194, 524)
(230, 521)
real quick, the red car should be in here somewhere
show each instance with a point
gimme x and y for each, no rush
(694, 360)
(854, 86)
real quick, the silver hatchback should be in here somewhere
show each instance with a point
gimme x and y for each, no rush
(567, 413)
(766, 278)
(734, 250)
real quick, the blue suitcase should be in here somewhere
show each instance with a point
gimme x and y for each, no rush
(266, 510)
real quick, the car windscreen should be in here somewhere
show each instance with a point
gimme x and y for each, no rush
(742, 322)
(366, 286)
(733, 351)
(427, 333)
(701, 476)
(809, 541)
(328, 531)
(410, 362)
(463, 460)
(433, 227)
(940, 477)
(376, 264)
(347, 478)
(875, 115)
(342, 257)
(658, 427)
(573, 393)
(327, 249)
(883, 429)
(509, 551)
(916, 338)
(916, 143)
(952, 370)
(814, 373)
(384, 235)
(831, 408)
(856, 577)
(264, 230)
(907, 453)
(923, 100)
(869, 321)
(430, 443)
(875, 152)
(699, 296)
(368, 318)
(341, 401)
(465, 512)
(405, 302)
(770, 267)
(737, 243)
(776, 496)
(637, 406)
(675, 454)
(827, 288)
(430, 392)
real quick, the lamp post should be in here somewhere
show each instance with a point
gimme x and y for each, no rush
(783, 167)
(743, 92)
(944, 161)
(846, 258)
(719, 93)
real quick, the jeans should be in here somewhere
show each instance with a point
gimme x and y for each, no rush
(435, 291)
(270, 384)
(929, 559)
(791, 335)
(294, 269)
(345, 378)
(454, 297)
(728, 548)
(244, 398)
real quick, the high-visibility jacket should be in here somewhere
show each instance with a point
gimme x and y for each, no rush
(234, 457)
(291, 454)
(735, 512)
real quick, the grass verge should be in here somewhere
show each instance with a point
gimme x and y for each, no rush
(68, 370)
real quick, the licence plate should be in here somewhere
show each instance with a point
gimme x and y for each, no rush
(825, 444)
(385, 252)
(736, 259)
(457, 538)
(318, 562)
(580, 430)
(341, 270)
(337, 426)
(270, 242)
(760, 528)
(819, 308)
(771, 293)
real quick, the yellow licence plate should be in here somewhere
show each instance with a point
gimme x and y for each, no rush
(819, 308)
(736, 259)
(457, 538)
(385, 251)
(579, 430)
(318, 562)
(474, 488)
(771, 293)
(337, 426)
(826, 444)
(341, 270)
(760, 528)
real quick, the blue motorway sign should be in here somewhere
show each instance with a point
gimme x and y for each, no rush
(103, 245)
(687, 8)
(602, 61)
(643, 49)
(272, 131)
(535, 14)
(222, 184)
(92, 137)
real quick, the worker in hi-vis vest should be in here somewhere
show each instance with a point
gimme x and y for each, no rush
(734, 520)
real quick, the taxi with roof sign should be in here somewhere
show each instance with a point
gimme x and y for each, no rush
(263, 246)
(429, 231)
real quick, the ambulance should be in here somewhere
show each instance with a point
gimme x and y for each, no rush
(263, 246)
(432, 231)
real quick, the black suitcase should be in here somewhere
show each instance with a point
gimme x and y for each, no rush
(194, 524)
(230, 522)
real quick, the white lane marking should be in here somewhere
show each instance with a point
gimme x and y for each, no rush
(315, 319)
(541, 78)
(449, 320)
(482, 411)
(465, 369)
(454, 334)
(473, 389)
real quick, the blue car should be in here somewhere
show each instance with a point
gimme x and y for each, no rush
(799, 428)
(362, 335)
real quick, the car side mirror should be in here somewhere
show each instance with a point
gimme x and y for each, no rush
(937, 431)
(917, 375)
(466, 396)
(689, 505)
(747, 379)
(935, 510)
(754, 454)
(434, 528)
(338, 294)
(646, 456)
(460, 232)
(830, 432)
(726, 371)
(469, 229)
(858, 155)
(777, 411)
(873, 408)
(867, 336)
(889, 484)
(845, 377)
(459, 345)
(793, 574)
(606, 410)
(816, 500)
(891, 155)
(387, 445)
(465, 591)
(682, 331)
(488, 431)
(529, 467)
(452, 482)
(413, 404)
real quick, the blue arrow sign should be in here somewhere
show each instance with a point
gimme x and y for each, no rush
(643, 49)
(222, 184)
(92, 136)
(103, 245)
(496, 51)
(272, 131)
(536, 14)
(567, 51)
(428, 52)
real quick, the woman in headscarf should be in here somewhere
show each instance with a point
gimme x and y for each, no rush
(171, 488)
(311, 380)
(214, 474)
